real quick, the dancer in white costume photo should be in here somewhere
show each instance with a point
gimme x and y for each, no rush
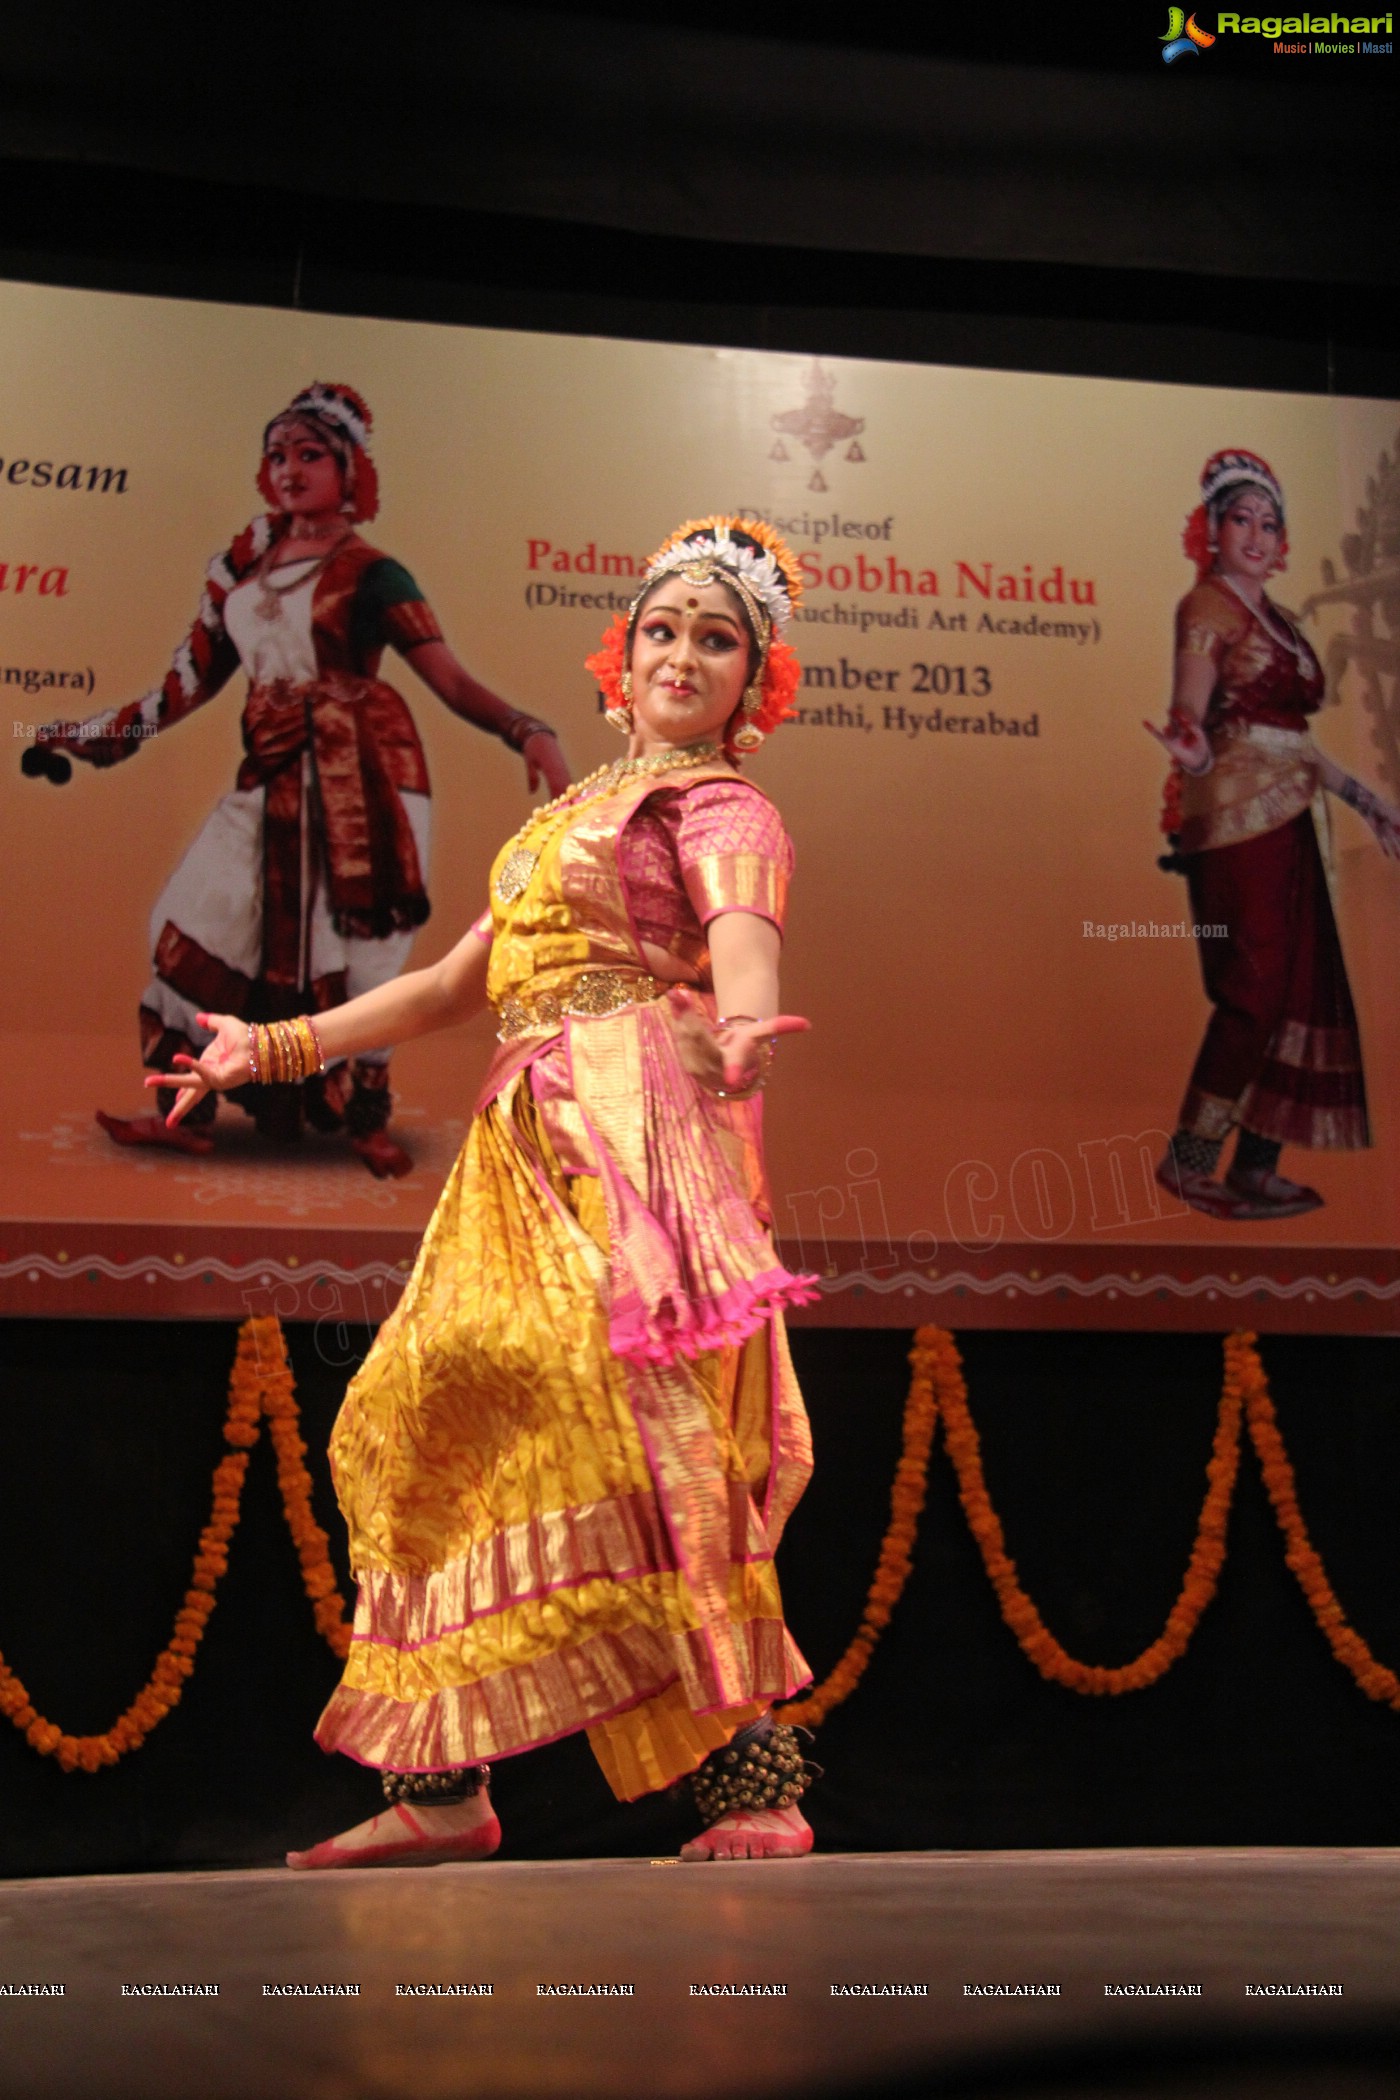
(306, 885)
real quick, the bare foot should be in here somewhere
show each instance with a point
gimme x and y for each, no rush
(385, 1160)
(153, 1130)
(422, 1836)
(753, 1833)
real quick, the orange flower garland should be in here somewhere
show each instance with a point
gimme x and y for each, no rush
(261, 1383)
(261, 1386)
(1375, 1680)
(930, 1357)
(1038, 1644)
(279, 1405)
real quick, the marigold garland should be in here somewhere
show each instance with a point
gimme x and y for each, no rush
(260, 1384)
(261, 1387)
(1374, 1679)
(1037, 1643)
(930, 1358)
(279, 1406)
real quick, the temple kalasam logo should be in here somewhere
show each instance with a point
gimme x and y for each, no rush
(1326, 36)
(819, 426)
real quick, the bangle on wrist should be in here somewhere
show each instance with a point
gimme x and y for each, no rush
(759, 1081)
(281, 1053)
(518, 731)
(741, 1093)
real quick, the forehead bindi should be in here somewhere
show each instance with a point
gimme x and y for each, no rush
(294, 435)
(1256, 504)
(693, 606)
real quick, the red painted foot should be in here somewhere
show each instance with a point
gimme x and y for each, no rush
(154, 1130)
(764, 1833)
(385, 1160)
(404, 1837)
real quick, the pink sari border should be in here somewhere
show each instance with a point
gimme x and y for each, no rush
(537, 1703)
(676, 1327)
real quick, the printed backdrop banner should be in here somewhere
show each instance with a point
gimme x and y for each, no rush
(1004, 987)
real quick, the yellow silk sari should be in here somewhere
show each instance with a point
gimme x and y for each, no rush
(549, 1533)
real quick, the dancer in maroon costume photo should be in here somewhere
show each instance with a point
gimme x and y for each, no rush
(1281, 1060)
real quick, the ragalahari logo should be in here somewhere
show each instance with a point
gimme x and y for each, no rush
(1183, 35)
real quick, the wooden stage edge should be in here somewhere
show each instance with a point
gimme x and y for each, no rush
(959, 1971)
(101, 1270)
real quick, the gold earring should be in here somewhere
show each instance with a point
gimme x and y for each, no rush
(748, 737)
(620, 717)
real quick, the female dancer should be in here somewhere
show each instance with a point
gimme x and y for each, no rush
(306, 885)
(1281, 1060)
(572, 1448)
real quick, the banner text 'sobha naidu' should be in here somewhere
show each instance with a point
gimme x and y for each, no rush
(881, 576)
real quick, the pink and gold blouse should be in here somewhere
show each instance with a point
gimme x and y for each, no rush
(573, 898)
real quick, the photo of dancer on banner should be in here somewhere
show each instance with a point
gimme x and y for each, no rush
(1246, 818)
(973, 798)
(307, 883)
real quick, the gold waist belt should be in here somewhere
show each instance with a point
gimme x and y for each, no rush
(1269, 736)
(541, 1010)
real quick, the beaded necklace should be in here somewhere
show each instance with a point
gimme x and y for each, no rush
(270, 595)
(521, 860)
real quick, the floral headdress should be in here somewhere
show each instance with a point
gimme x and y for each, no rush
(760, 569)
(342, 419)
(1221, 475)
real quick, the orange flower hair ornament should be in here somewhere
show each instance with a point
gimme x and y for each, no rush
(341, 418)
(759, 567)
(1222, 473)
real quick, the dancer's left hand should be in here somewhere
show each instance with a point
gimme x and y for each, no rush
(733, 1059)
(545, 760)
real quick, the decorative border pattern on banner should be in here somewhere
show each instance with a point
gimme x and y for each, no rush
(62, 1269)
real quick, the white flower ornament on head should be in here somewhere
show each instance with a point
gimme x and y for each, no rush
(335, 405)
(759, 573)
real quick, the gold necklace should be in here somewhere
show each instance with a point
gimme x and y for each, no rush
(521, 861)
(270, 594)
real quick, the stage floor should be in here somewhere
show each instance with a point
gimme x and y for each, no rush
(1221, 1920)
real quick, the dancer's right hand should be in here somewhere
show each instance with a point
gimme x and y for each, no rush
(1185, 741)
(101, 741)
(221, 1064)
